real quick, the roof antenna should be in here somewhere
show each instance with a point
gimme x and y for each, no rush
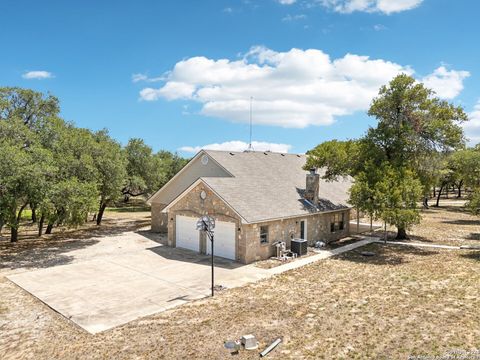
(250, 147)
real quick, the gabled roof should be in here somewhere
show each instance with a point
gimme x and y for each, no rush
(267, 186)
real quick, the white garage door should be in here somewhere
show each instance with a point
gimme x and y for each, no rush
(224, 240)
(187, 235)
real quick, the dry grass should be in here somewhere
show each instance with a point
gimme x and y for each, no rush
(402, 301)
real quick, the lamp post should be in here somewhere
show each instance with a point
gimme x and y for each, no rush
(207, 224)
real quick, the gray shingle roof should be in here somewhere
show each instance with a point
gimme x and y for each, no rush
(270, 185)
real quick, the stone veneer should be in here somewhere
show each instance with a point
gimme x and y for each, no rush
(193, 205)
(159, 219)
(248, 247)
(318, 229)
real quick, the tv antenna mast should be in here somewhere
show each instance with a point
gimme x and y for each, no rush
(250, 147)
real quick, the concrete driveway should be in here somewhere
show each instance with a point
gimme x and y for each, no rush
(123, 277)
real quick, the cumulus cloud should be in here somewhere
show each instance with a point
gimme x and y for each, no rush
(446, 83)
(382, 6)
(287, 2)
(472, 127)
(38, 75)
(296, 88)
(237, 145)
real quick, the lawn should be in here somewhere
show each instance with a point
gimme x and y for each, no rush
(400, 302)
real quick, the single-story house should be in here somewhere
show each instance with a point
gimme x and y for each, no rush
(256, 199)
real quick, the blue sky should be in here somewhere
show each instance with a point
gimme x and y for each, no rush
(180, 74)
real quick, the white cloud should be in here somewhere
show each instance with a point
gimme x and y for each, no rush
(287, 2)
(237, 145)
(290, 18)
(472, 127)
(143, 77)
(379, 27)
(39, 75)
(383, 6)
(446, 83)
(172, 90)
(295, 89)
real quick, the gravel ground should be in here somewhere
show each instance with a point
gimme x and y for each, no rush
(401, 301)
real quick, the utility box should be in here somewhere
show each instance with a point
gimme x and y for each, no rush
(299, 246)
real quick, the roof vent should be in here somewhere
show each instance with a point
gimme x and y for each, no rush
(232, 153)
(298, 155)
(282, 154)
(265, 153)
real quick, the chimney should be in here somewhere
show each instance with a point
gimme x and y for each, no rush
(312, 185)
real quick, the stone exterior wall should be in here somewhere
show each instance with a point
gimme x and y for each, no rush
(159, 220)
(193, 205)
(248, 246)
(318, 229)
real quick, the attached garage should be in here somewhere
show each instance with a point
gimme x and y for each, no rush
(224, 237)
(187, 235)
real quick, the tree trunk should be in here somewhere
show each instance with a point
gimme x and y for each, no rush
(371, 223)
(2, 222)
(425, 202)
(49, 228)
(401, 233)
(14, 229)
(126, 198)
(14, 234)
(34, 214)
(40, 225)
(438, 196)
(100, 212)
(460, 184)
(434, 191)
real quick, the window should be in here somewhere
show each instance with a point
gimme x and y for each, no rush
(263, 234)
(337, 222)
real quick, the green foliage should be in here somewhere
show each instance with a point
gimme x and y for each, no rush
(64, 172)
(25, 167)
(69, 201)
(473, 204)
(338, 157)
(142, 174)
(397, 194)
(398, 160)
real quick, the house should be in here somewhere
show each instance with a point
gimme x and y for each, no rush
(256, 198)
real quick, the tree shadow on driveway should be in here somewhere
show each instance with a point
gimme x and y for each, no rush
(50, 250)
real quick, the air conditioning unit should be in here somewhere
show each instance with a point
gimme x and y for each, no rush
(299, 246)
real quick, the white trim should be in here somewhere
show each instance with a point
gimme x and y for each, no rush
(305, 229)
(151, 198)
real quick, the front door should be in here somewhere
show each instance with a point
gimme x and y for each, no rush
(303, 229)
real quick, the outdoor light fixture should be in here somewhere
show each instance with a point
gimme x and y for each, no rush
(207, 224)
